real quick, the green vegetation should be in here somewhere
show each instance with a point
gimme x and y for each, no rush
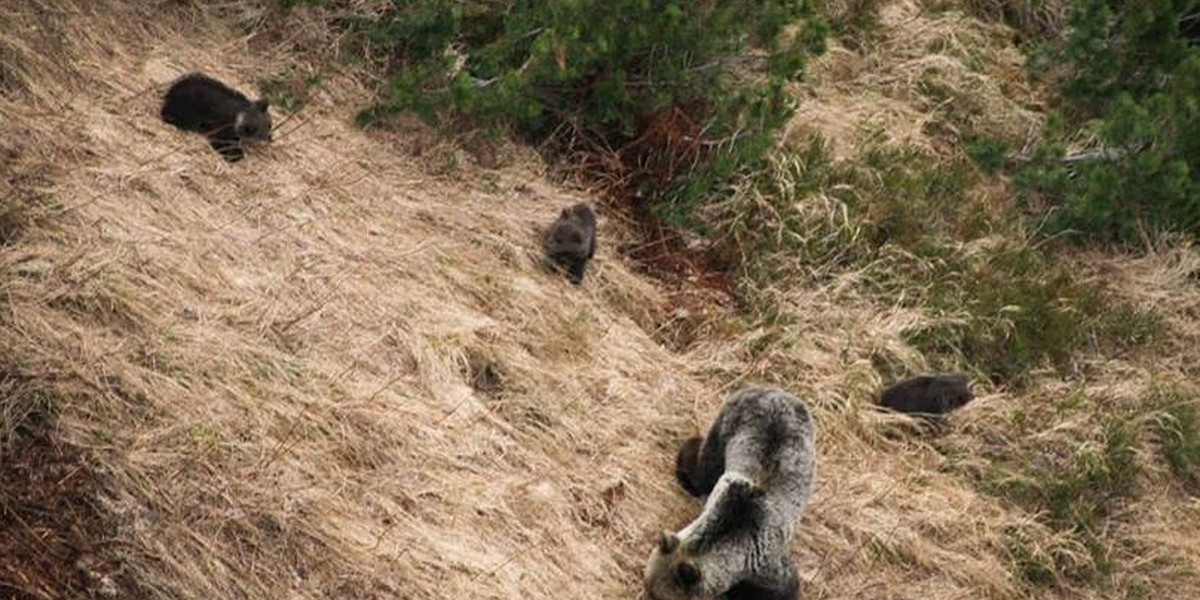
(670, 99)
(914, 229)
(289, 91)
(1128, 86)
(1078, 465)
(1057, 561)
(1177, 431)
(1024, 310)
(846, 214)
(1075, 490)
(988, 153)
(694, 137)
(1073, 480)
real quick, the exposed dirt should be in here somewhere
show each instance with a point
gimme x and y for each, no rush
(55, 543)
(699, 284)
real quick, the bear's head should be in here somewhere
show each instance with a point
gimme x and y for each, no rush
(568, 238)
(254, 123)
(709, 556)
(670, 573)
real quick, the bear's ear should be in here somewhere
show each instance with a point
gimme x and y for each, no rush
(667, 542)
(262, 104)
(687, 573)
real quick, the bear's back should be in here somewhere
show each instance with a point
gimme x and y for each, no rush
(198, 102)
(770, 438)
(931, 394)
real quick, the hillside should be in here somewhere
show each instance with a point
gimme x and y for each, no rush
(339, 369)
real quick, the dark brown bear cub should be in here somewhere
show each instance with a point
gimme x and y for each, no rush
(571, 240)
(197, 102)
(931, 394)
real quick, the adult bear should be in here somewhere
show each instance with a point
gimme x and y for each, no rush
(758, 466)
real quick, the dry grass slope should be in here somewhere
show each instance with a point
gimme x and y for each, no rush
(269, 361)
(274, 367)
(927, 74)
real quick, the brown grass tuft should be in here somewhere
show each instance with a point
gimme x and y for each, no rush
(929, 76)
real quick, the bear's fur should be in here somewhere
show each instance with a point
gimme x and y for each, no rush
(197, 102)
(928, 395)
(571, 241)
(758, 466)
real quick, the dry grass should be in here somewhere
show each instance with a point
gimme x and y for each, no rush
(268, 359)
(271, 364)
(1035, 19)
(927, 76)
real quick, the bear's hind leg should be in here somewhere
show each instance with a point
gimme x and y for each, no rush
(687, 466)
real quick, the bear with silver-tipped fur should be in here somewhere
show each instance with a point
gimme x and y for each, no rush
(757, 464)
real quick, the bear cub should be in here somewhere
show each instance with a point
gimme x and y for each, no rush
(928, 395)
(230, 120)
(571, 241)
(758, 466)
